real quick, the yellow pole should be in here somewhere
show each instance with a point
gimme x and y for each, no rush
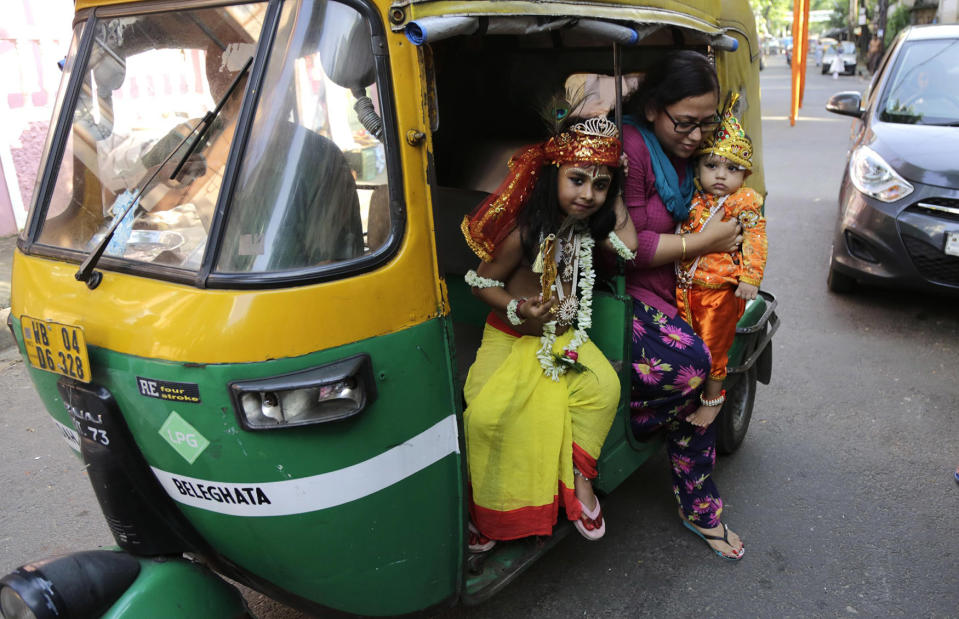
(800, 35)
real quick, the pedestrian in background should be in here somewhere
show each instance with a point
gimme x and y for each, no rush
(837, 66)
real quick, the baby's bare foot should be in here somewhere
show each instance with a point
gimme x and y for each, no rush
(704, 415)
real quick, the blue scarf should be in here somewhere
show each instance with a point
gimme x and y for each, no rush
(676, 197)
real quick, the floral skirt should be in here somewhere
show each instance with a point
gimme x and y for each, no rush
(670, 365)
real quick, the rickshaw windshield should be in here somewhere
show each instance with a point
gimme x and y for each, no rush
(310, 170)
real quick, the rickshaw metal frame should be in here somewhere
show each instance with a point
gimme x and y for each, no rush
(403, 75)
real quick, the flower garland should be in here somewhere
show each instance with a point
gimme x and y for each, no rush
(555, 365)
(473, 279)
(621, 250)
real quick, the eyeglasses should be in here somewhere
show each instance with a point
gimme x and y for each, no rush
(685, 127)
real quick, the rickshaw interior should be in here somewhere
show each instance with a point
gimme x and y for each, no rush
(486, 105)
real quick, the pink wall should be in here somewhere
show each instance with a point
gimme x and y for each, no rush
(33, 37)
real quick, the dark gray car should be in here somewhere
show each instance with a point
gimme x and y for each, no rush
(899, 200)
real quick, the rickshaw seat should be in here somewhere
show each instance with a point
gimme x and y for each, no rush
(455, 258)
(450, 204)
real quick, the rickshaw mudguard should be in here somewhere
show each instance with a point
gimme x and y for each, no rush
(754, 333)
(305, 509)
(176, 587)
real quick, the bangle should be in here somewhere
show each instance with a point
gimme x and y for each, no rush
(621, 250)
(715, 401)
(511, 312)
(473, 279)
(682, 237)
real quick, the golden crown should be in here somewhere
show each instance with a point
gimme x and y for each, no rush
(730, 140)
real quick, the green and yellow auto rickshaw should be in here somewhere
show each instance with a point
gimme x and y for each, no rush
(240, 295)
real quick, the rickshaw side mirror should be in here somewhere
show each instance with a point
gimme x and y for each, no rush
(346, 48)
(847, 103)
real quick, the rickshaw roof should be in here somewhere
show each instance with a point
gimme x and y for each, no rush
(696, 14)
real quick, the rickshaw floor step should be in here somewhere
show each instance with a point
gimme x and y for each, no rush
(488, 572)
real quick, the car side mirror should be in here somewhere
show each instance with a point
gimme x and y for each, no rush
(847, 103)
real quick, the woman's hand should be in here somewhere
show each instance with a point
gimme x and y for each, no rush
(722, 236)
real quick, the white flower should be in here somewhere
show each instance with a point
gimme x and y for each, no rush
(584, 317)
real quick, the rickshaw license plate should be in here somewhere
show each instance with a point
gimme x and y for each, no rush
(56, 347)
(952, 243)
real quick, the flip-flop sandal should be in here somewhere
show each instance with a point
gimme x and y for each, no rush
(479, 542)
(723, 538)
(591, 524)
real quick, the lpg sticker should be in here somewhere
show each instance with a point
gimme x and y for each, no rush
(166, 390)
(183, 437)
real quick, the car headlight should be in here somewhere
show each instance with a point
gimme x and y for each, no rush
(871, 175)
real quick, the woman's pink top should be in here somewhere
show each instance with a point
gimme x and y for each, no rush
(654, 286)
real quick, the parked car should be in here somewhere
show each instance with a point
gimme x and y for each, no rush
(899, 200)
(846, 51)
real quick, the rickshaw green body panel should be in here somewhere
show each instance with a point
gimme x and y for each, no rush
(177, 588)
(390, 550)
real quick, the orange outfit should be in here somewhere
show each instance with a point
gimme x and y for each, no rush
(709, 303)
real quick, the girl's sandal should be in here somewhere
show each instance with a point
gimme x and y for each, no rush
(591, 524)
(479, 542)
(722, 538)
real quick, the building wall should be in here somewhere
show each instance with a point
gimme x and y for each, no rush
(34, 36)
(949, 11)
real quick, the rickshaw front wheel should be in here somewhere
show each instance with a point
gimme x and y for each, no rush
(733, 420)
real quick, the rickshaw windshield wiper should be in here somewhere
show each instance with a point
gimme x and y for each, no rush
(86, 271)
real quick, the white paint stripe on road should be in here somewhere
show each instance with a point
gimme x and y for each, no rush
(307, 494)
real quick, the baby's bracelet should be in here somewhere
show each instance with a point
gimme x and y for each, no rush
(473, 279)
(621, 250)
(715, 401)
(512, 309)
(682, 237)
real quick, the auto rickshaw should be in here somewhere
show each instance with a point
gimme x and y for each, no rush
(240, 295)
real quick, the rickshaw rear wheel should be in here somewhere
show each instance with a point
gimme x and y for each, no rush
(733, 420)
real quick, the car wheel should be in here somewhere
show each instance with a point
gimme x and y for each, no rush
(733, 420)
(824, 70)
(839, 283)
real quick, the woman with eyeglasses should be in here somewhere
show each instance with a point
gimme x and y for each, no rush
(668, 117)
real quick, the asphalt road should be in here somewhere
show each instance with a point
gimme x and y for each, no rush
(843, 489)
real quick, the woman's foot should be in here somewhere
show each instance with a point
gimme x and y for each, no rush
(704, 415)
(724, 542)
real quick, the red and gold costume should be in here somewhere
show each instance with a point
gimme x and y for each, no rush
(706, 295)
(524, 431)
(493, 220)
(709, 303)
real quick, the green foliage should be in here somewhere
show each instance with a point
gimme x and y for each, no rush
(773, 12)
(896, 22)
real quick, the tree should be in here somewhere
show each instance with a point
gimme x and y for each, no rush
(774, 12)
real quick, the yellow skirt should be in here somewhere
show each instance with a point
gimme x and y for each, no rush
(524, 432)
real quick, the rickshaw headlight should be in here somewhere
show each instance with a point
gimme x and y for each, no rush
(874, 177)
(319, 395)
(12, 605)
